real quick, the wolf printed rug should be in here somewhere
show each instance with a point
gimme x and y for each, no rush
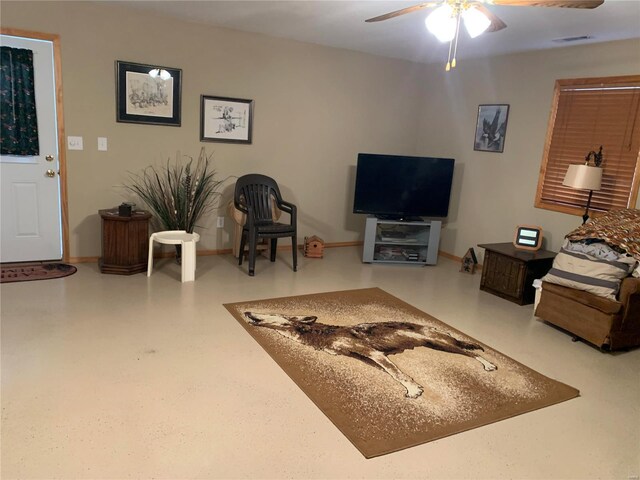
(388, 375)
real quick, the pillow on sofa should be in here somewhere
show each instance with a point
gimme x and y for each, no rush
(600, 250)
(588, 273)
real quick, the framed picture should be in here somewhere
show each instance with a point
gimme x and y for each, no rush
(491, 128)
(223, 119)
(148, 94)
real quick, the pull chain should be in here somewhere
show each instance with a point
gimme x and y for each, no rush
(448, 67)
(453, 44)
(455, 48)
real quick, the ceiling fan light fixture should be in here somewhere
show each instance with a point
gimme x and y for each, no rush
(442, 23)
(475, 22)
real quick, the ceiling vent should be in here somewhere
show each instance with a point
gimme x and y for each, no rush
(572, 39)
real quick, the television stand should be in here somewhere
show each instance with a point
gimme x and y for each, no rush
(409, 242)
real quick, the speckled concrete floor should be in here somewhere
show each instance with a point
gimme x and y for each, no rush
(107, 376)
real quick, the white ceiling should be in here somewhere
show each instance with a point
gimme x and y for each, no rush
(338, 23)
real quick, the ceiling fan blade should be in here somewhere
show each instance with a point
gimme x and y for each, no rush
(496, 23)
(550, 3)
(403, 11)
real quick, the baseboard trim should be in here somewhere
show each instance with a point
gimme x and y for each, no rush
(204, 253)
(449, 256)
(83, 259)
(456, 258)
(343, 244)
(222, 251)
(225, 251)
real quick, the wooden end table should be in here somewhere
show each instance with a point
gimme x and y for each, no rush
(509, 272)
(125, 242)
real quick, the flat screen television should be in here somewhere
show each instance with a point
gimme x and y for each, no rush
(401, 187)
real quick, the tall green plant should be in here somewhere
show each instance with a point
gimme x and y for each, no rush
(178, 194)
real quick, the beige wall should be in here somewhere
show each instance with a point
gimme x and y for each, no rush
(315, 109)
(494, 192)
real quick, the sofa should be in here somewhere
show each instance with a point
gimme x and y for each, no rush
(589, 294)
(608, 324)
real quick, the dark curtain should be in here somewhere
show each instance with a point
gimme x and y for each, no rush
(19, 127)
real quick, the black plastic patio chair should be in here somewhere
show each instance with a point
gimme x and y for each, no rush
(255, 195)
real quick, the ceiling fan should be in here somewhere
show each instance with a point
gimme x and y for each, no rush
(444, 20)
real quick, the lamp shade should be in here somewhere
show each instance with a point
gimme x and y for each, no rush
(583, 176)
(475, 21)
(442, 23)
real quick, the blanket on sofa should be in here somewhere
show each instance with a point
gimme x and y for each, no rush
(618, 228)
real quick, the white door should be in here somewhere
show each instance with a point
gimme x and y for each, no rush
(31, 227)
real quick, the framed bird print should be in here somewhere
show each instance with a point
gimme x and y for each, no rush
(491, 128)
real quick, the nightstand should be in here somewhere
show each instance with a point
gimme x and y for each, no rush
(509, 272)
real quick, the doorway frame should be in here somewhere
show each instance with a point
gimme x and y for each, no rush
(62, 159)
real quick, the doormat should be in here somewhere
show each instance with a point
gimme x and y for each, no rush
(388, 375)
(40, 271)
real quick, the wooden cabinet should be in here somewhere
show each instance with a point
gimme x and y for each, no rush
(509, 272)
(125, 242)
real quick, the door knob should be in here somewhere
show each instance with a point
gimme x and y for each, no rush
(51, 173)
(49, 158)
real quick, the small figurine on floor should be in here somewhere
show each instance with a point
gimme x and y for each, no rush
(469, 262)
(313, 247)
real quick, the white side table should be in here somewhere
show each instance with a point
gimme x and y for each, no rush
(175, 237)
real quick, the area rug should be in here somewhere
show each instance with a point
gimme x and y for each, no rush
(388, 375)
(40, 271)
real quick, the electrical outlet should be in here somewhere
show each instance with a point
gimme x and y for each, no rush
(220, 223)
(74, 143)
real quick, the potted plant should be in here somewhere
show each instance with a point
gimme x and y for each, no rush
(180, 193)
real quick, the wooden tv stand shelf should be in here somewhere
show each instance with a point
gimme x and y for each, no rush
(509, 272)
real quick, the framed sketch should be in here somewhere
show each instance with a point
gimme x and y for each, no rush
(223, 119)
(148, 94)
(491, 128)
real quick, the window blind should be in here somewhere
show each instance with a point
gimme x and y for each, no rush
(590, 113)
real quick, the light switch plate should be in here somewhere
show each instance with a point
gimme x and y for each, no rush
(102, 144)
(74, 143)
